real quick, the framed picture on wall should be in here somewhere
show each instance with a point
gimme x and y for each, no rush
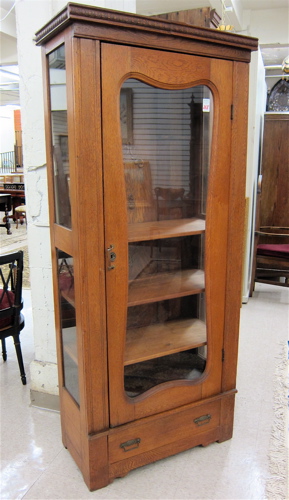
(126, 116)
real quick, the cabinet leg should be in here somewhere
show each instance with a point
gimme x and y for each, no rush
(227, 418)
(95, 464)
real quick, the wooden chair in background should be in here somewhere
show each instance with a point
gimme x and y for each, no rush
(170, 203)
(11, 318)
(271, 252)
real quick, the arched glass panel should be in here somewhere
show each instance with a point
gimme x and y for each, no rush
(166, 137)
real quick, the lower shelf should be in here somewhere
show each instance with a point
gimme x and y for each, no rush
(69, 343)
(158, 340)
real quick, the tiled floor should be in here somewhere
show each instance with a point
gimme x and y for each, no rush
(34, 464)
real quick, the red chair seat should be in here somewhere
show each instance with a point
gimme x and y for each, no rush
(65, 281)
(274, 250)
(6, 302)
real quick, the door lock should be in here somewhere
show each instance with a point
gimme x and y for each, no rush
(111, 257)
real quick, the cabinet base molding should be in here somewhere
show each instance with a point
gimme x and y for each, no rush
(153, 438)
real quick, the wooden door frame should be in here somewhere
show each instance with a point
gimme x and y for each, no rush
(118, 64)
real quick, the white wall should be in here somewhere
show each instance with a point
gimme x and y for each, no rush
(7, 136)
(8, 41)
(271, 26)
(43, 369)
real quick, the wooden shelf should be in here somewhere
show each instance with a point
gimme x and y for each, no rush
(69, 343)
(69, 295)
(66, 285)
(72, 352)
(164, 286)
(160, 286)
(157, 340)
(156, 230)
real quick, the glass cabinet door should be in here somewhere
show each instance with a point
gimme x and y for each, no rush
(166, 137)
(166, 216)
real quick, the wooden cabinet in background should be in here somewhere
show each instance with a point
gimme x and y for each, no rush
(274, 204)
(205, 17)
(146, 138)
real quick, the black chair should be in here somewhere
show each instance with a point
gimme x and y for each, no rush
(11, 318)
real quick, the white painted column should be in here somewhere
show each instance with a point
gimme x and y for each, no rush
(31, 15)
(257, 107)
(269, 26)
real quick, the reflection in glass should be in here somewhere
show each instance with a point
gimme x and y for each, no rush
(68, 323)
(58, 103)
(166, 168)
(165, 256)
(143, 376)
(166, 162)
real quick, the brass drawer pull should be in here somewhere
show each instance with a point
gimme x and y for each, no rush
(130, 445)
(204, 419)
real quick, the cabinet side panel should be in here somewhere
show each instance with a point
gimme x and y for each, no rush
(87, 220)
(71, 422)
(236, 224)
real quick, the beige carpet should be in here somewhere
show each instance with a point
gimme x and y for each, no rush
(26, 273)
(277, 483)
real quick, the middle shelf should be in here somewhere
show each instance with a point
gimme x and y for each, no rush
(155, 230)
(163, 286)
(152, 288)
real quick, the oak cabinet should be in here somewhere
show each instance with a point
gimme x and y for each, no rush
(146, 149)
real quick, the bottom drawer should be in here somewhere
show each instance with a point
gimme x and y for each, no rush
(136, 438)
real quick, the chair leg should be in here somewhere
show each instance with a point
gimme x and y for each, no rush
(4, 352)
(20, 359)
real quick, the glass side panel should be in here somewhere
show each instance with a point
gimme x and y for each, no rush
(68, 323)
(58, 103)
(166, 138)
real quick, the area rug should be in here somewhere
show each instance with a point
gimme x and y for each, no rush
(26, 273)
(277, 483)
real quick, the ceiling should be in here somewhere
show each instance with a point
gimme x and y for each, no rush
(7, 4)
(170, 5)
(273, 55)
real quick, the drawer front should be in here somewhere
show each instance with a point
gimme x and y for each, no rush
(134, 439)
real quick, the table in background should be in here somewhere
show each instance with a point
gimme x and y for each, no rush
(5, 206)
